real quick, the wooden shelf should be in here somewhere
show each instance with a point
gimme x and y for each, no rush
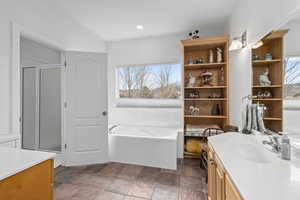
(272, 119)
(205, 99)
(201, 49)
(268, 99)
(206, 116)
(262, 62)
(197, 136)
(267, 86)
(204, 65)
(206, 87)
(191, 155)
(274, 45)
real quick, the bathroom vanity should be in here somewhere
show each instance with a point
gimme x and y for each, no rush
(241, 168)
(220, 186)
(26, 175)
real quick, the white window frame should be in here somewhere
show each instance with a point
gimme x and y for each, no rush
(143, 102)
(288, 103)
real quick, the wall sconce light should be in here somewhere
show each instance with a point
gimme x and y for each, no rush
(238, 42)
(258, 44)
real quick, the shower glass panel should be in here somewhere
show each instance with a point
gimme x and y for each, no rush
(50, 109)
(29, 108)
(42, 108)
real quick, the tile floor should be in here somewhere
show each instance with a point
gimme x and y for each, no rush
(116, 181)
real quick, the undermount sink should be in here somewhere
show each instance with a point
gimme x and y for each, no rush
(251, 153)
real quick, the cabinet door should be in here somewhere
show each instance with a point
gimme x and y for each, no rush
(211, 176)
(220, 183)
(35, 183)
(230, 191)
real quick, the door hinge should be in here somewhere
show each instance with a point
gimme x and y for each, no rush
(65, 104)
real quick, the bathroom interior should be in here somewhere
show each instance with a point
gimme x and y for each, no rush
(149, 100)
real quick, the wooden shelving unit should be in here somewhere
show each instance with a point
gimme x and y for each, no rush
(200, 48)
(205, 99)
(273, 43)
(269, 86)
(207, 87)
(263, 62)
(204, 65)
(206, 116)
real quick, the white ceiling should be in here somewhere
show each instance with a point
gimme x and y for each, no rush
(117, 19)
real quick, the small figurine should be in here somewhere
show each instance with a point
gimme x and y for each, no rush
(206, 77)
(193, 95)
(267, 94)
(255, 57)
(211, 56)
(192, 80)
(222, 77)
(194, 110)
(215, 95)
(219, 55)
(264, 78)
(264, 94)
(190, 61)
(269, 56)
(199, 60)
(194, 35)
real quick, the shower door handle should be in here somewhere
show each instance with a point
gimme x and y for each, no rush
(104, 113)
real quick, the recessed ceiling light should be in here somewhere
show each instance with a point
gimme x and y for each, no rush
(139, 27)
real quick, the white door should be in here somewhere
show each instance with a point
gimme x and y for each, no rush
(86, 99)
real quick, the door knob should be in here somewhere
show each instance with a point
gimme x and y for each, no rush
(104, 113)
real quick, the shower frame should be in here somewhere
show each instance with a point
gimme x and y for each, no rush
(63, 104)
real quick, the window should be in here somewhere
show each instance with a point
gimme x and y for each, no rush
(292, 78)
(157, 81)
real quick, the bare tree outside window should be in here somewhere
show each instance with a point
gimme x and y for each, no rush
(292, 78)
(161, 81)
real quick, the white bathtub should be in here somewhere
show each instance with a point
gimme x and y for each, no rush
(144, 145)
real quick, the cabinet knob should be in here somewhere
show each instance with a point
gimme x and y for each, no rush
(104, 113)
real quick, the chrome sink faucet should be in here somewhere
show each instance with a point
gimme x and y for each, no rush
(274, 143)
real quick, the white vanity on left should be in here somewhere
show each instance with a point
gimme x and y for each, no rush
(25, 174)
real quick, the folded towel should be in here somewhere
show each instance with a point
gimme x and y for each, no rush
(252, 118)
(260, 118)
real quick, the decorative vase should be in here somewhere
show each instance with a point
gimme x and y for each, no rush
(216, 110)
(190, 61)
(211, 56)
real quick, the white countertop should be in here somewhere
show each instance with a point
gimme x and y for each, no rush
(14, 160)
(256, 172)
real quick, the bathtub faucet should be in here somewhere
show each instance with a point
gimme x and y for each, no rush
(112, 127)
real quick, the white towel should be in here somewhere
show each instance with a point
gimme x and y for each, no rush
(244, 114)
(254, 117)
(260, 118)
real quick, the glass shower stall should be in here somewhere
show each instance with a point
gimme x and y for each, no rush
(42, 107)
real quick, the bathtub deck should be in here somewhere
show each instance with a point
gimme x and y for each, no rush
(116, 181)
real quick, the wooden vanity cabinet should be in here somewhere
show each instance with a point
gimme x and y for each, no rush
(35, 183)
(220, 181)
(211, 166)
(231, 192)
(220, 186)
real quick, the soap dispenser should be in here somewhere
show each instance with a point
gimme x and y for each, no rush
(285, 147)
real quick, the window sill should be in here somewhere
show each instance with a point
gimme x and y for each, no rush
(291, 104)
(148, 103)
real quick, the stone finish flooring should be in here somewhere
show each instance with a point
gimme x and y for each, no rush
(115, 181)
